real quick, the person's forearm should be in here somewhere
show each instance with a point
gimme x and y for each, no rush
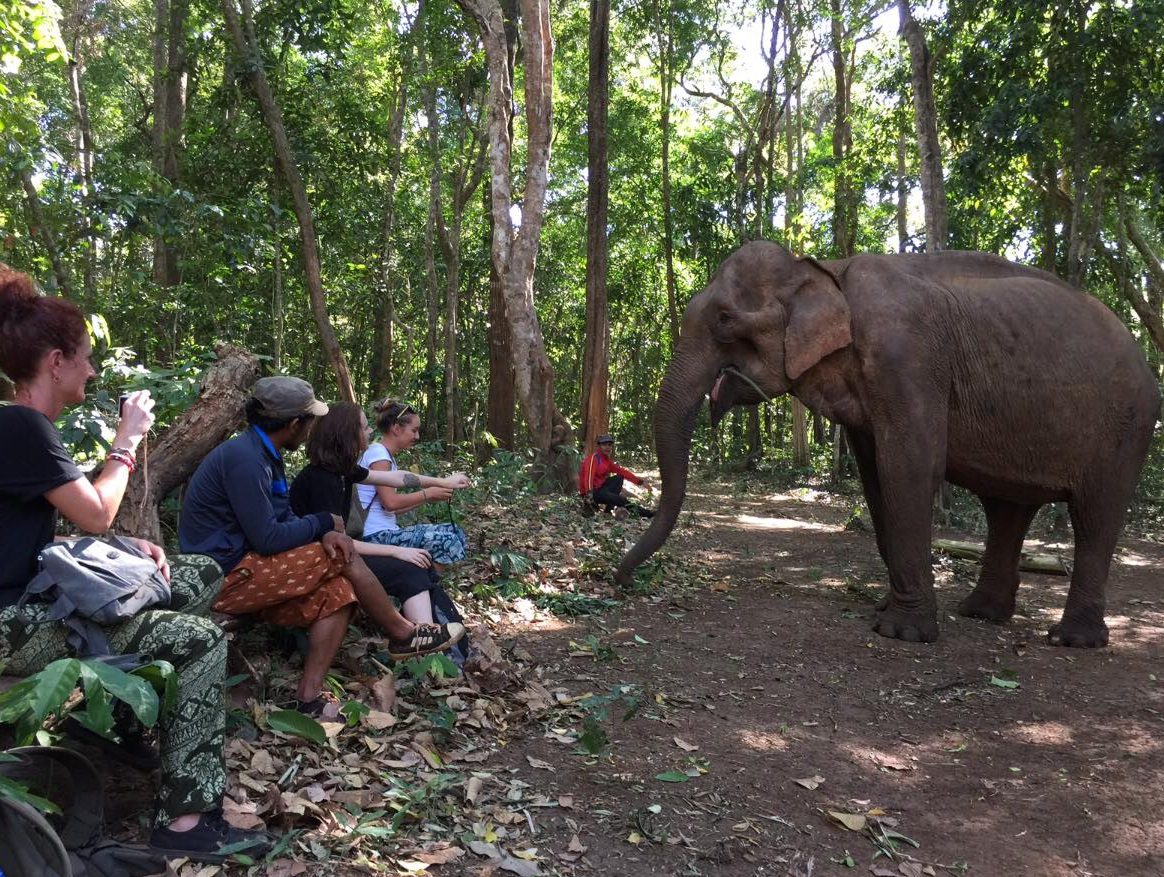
(400, 502)
(373, 549)
(110, 488)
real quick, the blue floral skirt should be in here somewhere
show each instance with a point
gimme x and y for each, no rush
(446, 543)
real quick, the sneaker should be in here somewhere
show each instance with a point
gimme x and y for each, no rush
(620, 514)
(212, 841)
(426, 639)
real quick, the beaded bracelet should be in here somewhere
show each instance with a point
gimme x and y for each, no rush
(128, 452)
(121, 458)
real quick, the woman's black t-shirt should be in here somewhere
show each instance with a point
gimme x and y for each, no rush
(317, 490)
(32, 462)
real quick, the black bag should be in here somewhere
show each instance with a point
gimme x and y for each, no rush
(90, 582)
(73, 842)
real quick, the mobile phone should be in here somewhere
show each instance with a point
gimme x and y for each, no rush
(121, 404)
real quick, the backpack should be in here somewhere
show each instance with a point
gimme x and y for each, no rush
(90, 582)
(73, 842)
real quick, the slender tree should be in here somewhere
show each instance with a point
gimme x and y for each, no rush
(596, 365)
(242, 32)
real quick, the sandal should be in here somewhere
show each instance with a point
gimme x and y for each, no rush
(426, 639)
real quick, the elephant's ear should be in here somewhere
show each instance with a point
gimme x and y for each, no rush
(818, 321)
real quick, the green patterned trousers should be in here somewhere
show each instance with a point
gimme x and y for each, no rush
(191, 734)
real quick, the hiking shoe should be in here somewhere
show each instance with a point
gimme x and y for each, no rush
(620, 514)
(212, 841)
(325, 707)
(426, 639)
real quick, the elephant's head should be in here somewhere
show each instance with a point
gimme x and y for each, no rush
(765, 314)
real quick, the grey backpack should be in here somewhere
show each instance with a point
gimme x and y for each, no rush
(90, 582)
(73, 842)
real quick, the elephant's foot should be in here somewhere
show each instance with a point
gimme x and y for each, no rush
(1078, 635)
(990, 606)
(920, 626)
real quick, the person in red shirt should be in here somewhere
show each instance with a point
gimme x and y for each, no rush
(601, 480)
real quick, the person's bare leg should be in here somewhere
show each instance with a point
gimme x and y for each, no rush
(418, 608)
(324, 638)
(375, 601)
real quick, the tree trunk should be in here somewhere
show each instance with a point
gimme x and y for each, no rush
(277, 287)
(499, 417)
(926, 121)
(40, 229)
(595, 363)
(1147, 310)
(83, 144)
(666, 74)
(432, 324)
(172, 458)
(247, 47)
(902, 197)
(516, 255)
(844, 196)
(169, 117)
(799, 434)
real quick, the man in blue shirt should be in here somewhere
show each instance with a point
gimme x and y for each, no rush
(291, 571)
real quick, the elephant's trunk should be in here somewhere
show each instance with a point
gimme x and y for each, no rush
(689, 376)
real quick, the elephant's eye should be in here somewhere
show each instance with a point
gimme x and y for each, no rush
(724, 318)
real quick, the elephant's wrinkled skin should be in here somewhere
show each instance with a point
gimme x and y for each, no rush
(1000, 378)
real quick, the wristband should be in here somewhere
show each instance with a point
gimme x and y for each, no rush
(118, 457)
(423, 494)
(128, 452)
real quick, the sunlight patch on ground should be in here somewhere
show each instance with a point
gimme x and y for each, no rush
(763, 741)
(1044, 733)
(786, 524)
(1129, 558)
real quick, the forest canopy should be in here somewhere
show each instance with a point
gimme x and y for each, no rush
(148, 182)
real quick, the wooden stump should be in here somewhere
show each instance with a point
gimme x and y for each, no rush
(171, 459)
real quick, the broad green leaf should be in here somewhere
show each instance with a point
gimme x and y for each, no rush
(672, 776)
(53, 686)
(12, 789)
(135, 692)
(295, 722)
(1003, 683)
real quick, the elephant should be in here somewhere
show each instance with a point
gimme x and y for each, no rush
(953, 365)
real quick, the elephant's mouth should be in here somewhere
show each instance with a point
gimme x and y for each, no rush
(733, 387)
(722, 395)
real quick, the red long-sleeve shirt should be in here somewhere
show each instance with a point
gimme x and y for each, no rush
(597, 468)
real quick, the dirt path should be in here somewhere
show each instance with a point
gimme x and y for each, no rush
(996, 753)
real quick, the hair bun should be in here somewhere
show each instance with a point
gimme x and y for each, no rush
(17, 294)
(384, 404)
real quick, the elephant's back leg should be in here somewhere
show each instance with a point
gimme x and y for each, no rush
(993, 598)
(1097, 508)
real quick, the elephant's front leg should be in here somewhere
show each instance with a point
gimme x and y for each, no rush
(910, 465)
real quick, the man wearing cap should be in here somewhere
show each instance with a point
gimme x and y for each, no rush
(601, 480)
(291, 571)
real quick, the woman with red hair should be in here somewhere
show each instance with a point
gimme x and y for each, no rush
(44, 351)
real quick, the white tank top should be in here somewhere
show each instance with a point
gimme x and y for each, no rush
(378, 518)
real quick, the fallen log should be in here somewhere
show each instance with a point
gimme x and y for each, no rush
(1029, 561)
(171, 458)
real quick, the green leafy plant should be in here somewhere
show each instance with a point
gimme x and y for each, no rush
(439, 666)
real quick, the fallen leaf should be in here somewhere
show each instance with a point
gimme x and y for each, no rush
(910, 869)
(262, 762)
(566, 802)
(684, 745)
(634, 838)
(473, 789)
(379, 719)
(576, 845)
(538, 763)
(672, 776)
(384, 693)
(1003, 683)
(811, 782)
(411, 866)
(483, 849)
(520, 867)
(439, 856)
(851, 821)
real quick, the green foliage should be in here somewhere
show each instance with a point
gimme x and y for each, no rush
(49, 692)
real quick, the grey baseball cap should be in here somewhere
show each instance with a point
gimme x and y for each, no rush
(286, 397)
(604, 439)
